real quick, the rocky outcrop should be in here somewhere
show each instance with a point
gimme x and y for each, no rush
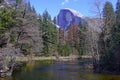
(67, 17)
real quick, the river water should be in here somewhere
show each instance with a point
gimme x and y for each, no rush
(51, 70)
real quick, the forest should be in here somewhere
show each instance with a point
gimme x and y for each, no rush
(24, 32)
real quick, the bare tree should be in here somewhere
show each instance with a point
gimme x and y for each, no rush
(92, 38)
(94, 29)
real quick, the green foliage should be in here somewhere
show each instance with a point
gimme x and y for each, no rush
(118, 13)
(19, 5)
(64, 50)
(108, 12)
(106, 39)
(60, 49)
(6, 19)
(49, 34)
(109, 21)
(29, 8)
(46, 16)
(115, 40)
(80, 46)
(46, 49)
(13, 38)
(80, 49)
(54, 20)
(25, 48)
(67, 49)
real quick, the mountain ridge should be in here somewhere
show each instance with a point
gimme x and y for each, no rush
(68, 17)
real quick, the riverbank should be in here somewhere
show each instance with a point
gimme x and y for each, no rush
(61, 58)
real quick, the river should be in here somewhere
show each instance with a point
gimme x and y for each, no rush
(52, 70)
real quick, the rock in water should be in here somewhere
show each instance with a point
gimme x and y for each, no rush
(67, 17)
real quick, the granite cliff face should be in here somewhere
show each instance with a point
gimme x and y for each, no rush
(67, 17)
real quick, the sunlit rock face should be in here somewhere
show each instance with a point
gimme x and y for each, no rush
(67, 17)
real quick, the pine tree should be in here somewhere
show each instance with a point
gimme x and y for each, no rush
(61, 36)
(106, 58)
(6, 19)
(46, 16)
(49, 34)
(116, 39)
(54, 20)
(109, 22)
(67, 49)
(81, 43)
(29, 8)
(118, 13)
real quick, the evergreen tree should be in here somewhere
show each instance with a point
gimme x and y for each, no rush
(54, 20)
(60, 49)
(6, 19)
(115, 43)
(46, 16)
(67, 49)
(29, 8)
(106, 58)
(20, 30)
(81, 44)
(33, 9)
(118, 13)
(49, 34)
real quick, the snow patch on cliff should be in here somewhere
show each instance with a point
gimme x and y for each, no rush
(76, 13)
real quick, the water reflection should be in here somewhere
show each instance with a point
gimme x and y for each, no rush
(50, 70)
(7, 78)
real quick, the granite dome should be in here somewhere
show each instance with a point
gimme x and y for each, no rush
(68, 17)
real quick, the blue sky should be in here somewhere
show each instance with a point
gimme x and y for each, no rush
(85, 7)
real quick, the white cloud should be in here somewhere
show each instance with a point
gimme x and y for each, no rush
(67, 1)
